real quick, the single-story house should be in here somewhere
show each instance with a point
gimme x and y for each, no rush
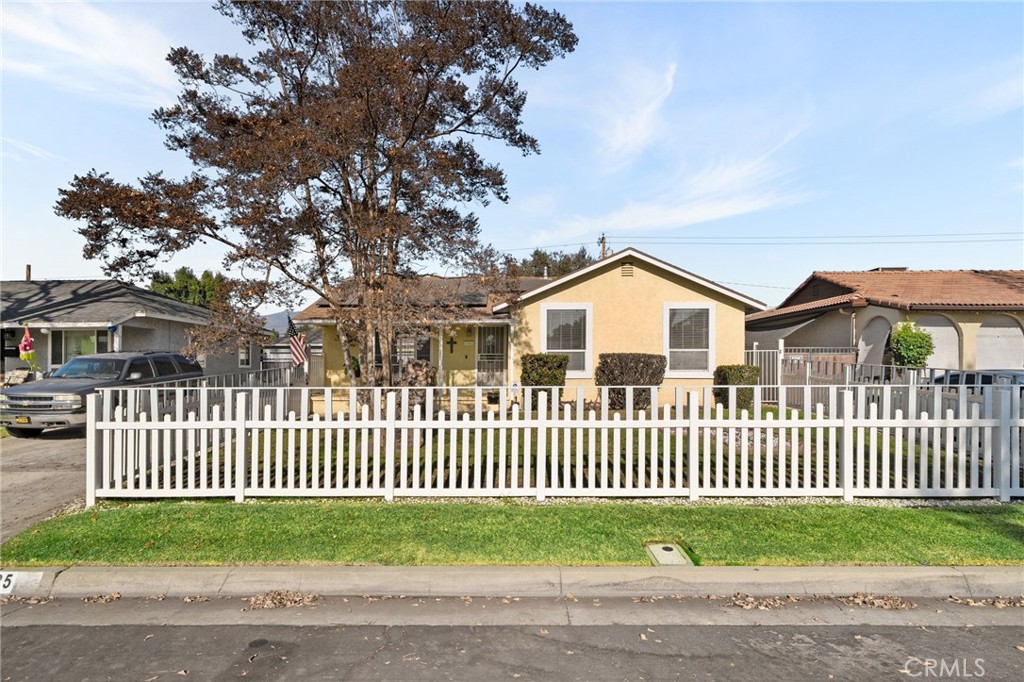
(279, 351)
(67, 318)
(629, 302)
(975, 317)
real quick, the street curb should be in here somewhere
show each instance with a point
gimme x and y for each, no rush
(523, 581)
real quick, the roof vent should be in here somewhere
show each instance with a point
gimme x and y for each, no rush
(889, 269)
(627, 269)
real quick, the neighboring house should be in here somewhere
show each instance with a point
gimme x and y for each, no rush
(975, 317)
(67, 318)
(280, 351)
(629, 302)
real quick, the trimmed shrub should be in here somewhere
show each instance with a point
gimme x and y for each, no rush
(544, 369)
(736, 375)
(629, 369)
(911, 346)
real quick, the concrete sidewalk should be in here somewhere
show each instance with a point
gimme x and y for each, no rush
(522, 581)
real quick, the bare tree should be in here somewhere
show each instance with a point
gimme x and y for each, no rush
(337, 160)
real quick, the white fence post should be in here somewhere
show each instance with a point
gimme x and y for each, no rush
(542, 442)
(240, 456)
(692, 440)
(846, 453)
(389, 448)
(92, 468)
(1002, 460)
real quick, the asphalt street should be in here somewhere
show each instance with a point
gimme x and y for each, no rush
(39, 476)
(495, 639)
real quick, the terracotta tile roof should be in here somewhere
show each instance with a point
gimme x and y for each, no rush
(914, 290)
(910, 289)
(803, 307)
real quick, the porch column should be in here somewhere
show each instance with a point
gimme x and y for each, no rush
(440, 357)
(511, 348)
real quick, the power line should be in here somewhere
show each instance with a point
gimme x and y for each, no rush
(760, 286)
(859, 242)
(665, 239)
(804, 240)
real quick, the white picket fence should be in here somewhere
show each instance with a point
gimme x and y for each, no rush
(864, 441)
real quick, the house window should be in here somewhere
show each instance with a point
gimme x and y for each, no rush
(411, 347)
(245, 356)
(70, 343)
(405, 348)
(567, 329)
(689, 340)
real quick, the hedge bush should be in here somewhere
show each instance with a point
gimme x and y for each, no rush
(736, 375)
(544, 369)
(911, 346)
(629, 369)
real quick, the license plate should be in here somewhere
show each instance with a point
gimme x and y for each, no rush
(22, 420)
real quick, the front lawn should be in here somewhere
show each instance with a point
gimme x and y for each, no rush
(377, 533)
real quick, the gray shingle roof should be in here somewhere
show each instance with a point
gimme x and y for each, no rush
(98, 302)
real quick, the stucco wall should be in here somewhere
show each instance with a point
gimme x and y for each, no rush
(833, 329)
(334, 373)
(628, 316)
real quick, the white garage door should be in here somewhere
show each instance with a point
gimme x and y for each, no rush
(1000, 343)
(946, 340)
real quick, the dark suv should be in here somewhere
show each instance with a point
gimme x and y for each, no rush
(59, 401)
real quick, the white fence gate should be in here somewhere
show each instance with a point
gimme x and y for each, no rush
(898, 441)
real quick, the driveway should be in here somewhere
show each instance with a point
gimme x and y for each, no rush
(39, 476)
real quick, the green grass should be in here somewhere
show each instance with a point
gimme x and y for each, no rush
(376, 533)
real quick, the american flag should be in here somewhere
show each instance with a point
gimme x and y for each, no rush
(297, 342)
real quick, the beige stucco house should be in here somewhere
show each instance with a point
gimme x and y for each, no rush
(629, 302)
(975, 317)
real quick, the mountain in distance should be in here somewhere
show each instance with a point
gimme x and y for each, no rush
(277, 322)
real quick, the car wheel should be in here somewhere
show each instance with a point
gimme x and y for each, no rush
(23, 433)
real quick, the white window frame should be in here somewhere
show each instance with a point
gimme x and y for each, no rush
(588, 352)
(245, 363)
(712, 340)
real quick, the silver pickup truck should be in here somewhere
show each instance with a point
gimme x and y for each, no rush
(59, 401)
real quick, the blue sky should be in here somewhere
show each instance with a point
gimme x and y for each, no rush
(749, 143)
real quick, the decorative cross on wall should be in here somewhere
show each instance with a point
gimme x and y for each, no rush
(451, 345)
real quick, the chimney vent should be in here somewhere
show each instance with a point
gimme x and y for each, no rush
(28, 272)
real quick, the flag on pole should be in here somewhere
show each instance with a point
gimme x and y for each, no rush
(297, 342)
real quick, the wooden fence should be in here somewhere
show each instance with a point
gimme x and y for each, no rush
(863, 441)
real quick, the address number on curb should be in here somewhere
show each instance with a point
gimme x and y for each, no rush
(6, 581)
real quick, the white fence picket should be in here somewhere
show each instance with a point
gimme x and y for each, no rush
(865, 441)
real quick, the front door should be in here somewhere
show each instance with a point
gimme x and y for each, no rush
(491, 356)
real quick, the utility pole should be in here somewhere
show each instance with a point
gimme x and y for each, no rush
(603, 243)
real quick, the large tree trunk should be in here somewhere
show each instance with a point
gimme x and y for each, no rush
(346, 352)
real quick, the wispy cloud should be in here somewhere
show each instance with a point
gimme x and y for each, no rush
(980, 94)
(16, 149)
(78, 47)
(722, 188)
(628, 119)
